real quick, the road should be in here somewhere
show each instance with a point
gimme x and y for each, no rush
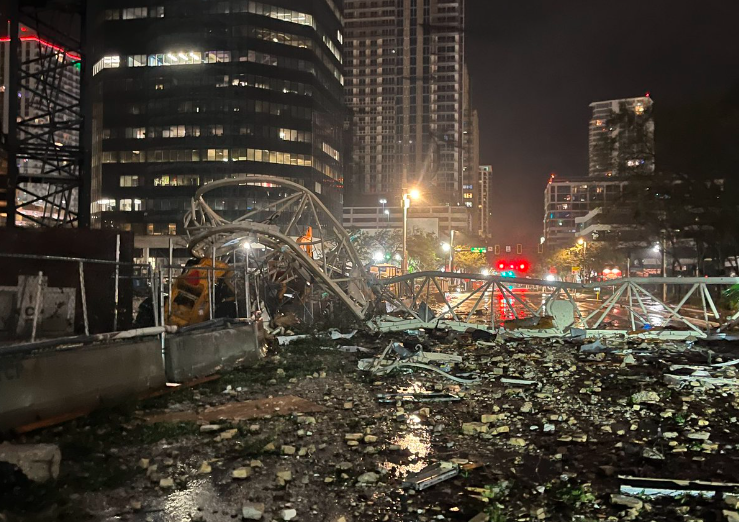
(507, 307)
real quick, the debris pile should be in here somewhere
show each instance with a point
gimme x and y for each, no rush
(529, 429)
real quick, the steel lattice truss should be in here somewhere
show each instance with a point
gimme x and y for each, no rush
(47, 170)
(327, 260)
(420, 300)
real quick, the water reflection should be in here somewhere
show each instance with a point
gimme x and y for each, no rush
(418, 443)
(181, 504)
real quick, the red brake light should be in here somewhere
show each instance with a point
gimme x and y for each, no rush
(523, 266)
(501, 265)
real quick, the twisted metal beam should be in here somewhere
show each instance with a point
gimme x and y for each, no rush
(329, 258)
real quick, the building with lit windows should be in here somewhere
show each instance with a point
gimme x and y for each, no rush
(404, 85)
(568, 199)
(35, 55)
(189, 92)
(470, 158)
(621, 137)
(484, 210)
(436, 219)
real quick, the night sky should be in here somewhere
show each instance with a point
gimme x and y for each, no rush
(536, 65)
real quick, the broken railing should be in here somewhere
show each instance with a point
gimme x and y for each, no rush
(621, 305)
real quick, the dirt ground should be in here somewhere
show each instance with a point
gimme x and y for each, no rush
(554, 449)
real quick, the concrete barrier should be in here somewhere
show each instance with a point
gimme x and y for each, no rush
(45, 384)
(200, 353)
(39, 382)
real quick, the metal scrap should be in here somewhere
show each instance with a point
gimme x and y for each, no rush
(431, 475)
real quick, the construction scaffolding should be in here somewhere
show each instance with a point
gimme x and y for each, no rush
(47, 128)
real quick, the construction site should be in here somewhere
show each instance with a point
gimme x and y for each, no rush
(273, 378)
(255, 367)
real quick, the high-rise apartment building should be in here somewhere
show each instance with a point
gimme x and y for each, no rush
(568, 199)
(470, 158)
(48, 112)
(484, 210)
(621, 137)
(190, 92)
(404, 85)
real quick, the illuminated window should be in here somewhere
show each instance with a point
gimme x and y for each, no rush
(639, 108)
(129, 181)
(107, 205)
(172, 229)
(107, 62)
(133, 13)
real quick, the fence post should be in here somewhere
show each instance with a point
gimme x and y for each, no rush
(84, 298)
(36, 305)
(117, 273)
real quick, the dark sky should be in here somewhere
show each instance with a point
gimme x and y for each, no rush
(536, 65)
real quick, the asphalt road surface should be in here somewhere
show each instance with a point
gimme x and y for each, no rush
(506, 307)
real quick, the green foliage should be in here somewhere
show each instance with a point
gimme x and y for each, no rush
(594, 256)
(467, 261)
(574, 495)
(424, 248)
(731, 297)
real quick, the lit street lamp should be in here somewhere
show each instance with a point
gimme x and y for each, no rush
(584, 245)
(406, 203)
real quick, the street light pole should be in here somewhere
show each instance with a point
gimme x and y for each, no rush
(451, 251)
(406, 202)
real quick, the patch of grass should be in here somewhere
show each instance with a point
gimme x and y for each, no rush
(253, 446)
(495, 513)
(681, 418)
(574, 495)
(151, 433)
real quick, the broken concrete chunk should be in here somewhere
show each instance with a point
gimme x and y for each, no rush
(629, 502)
(204, 468)
(241, 473)
(288, 450)
(166, 483)
(645, 396)
(288, 514)
(473, 428)
(252, 511)
(38, 462)
(368, 478)
(209, 427)
(287, 475)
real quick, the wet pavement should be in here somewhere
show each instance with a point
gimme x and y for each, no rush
(552, 450)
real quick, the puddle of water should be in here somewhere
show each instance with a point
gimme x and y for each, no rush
(418, 443)
(181, 504)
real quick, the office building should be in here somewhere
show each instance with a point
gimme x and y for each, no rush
(484, 210)
(404, 85)
(49, 128)
(621, 138)
(568, 199)
(436, 219)
(470, 158)
(190, 92)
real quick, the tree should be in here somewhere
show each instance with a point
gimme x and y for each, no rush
(424, 249)
(589, 257)
(467, 261)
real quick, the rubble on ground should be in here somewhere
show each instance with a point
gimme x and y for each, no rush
(547, 432)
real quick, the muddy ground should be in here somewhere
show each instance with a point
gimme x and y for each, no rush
(552, 450)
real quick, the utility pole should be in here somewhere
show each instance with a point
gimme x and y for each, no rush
(664, 270)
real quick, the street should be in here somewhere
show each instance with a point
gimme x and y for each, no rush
(506, 307)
